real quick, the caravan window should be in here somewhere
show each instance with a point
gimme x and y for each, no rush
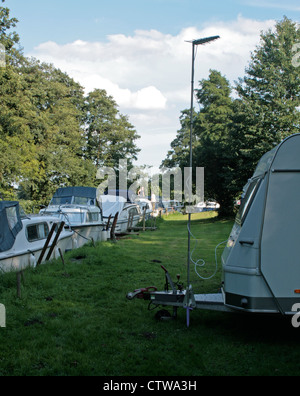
(247, 201)
(37, 232)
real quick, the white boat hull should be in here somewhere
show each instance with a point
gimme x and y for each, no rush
(19, 260)
(122, 223)
(86, 233)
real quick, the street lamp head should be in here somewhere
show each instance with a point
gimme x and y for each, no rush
(204, 40)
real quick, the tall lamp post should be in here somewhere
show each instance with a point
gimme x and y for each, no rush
(195, 43)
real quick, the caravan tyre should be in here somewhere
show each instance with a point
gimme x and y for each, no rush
(163, 314)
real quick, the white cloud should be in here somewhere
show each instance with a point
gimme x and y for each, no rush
(154, 63)
(149, 98)
(148, 73)
(89, 64)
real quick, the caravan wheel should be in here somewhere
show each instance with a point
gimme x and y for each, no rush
(163, 314)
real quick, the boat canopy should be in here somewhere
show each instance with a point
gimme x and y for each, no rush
(10, 224)
(112, 204)
(75, 195)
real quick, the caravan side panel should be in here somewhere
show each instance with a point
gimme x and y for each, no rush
(280, 249)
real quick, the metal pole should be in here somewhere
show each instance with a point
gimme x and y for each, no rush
(191, 163)
(188, 289)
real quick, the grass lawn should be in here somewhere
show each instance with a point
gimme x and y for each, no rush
(76, 320)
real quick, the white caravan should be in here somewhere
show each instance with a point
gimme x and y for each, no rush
(261, 267)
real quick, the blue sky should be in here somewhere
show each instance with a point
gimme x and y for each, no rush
(136, 50)
(92, 20)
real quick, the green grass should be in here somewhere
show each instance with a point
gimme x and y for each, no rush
(75, 320)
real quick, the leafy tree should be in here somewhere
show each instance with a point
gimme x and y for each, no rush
(17, 159)
(56, 130)
(210, 140)
(8, 39)
(179, 155)
(213, 151)
(267, 111)
(17, 147)
(109, 134)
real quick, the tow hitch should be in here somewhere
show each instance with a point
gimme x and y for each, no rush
(174, 295)
(143, 294)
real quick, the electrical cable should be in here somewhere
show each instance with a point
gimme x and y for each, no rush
(203, 263)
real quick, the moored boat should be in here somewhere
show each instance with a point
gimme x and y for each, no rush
(23, 238)
(78, 208)
(129, 214)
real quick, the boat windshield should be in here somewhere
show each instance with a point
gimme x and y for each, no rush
(57, 201)
(61, 201)
(84, 201)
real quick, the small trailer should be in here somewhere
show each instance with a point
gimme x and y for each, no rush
(261, 261)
